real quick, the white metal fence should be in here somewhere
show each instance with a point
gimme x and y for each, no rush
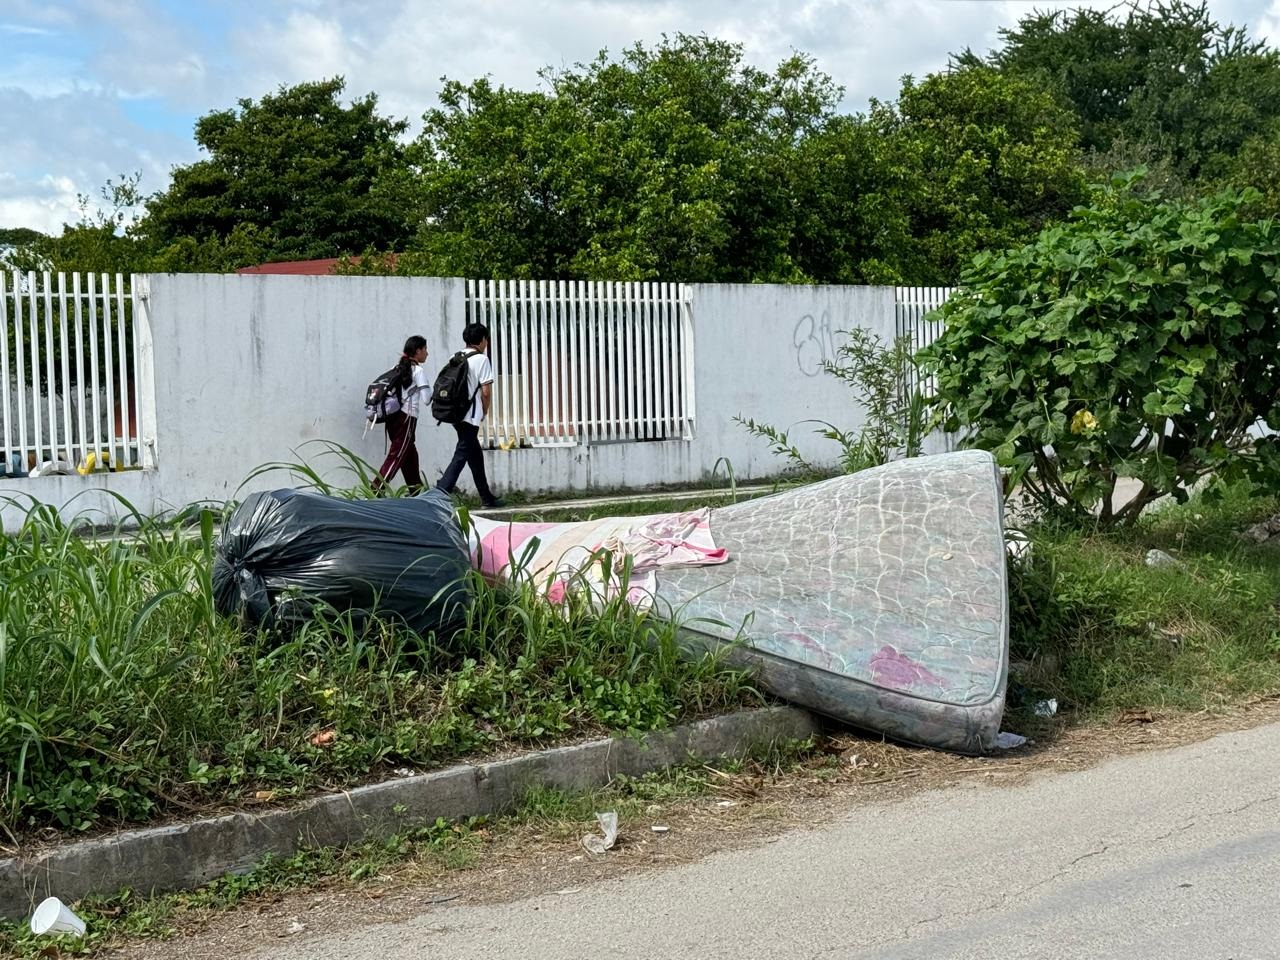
(583, 362)
(71, 373)
(912, 305)
(575, 362)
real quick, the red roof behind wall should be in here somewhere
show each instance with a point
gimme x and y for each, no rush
(297, 268)
(309, 268)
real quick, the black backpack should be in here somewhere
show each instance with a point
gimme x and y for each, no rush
(449, 398)
(383, 396)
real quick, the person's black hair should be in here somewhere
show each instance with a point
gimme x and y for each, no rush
(405, 366)
(474, 333)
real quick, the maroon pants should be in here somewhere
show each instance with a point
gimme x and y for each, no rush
(402, 454)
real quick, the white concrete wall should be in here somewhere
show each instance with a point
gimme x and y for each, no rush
(250, 368)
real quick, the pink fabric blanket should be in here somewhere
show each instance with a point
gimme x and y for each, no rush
(560, 554)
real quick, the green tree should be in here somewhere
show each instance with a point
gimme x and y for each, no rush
(1164, 75)
(851, 212)
(296, 175)
(1258, 166)
(101, 241)
(1138, 339)
(988, 158)
(675, 162)
(15, 236)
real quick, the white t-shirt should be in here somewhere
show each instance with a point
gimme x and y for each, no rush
(479, 372)
(412, 394)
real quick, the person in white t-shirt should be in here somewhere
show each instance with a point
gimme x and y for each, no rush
(480, 385)
(402, 452)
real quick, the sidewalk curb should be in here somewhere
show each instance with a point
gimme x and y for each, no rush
(744, 492)
(182, 856)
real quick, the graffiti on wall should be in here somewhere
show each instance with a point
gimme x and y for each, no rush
(814, 340)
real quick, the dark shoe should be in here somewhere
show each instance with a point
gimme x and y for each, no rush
(495, 503)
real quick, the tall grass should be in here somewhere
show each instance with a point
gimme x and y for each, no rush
(343, 461)
(123, 695)
(1098, 628)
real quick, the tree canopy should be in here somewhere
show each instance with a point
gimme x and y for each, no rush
(1136, 339)
(683, 161)
(1164, 74)
(990, 159)
(677, 161)
(295, 175)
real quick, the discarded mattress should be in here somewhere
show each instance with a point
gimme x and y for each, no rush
(877, 598)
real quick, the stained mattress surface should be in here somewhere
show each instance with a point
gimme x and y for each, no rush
(879, 598)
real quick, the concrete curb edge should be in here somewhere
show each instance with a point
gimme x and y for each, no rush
(182, 856)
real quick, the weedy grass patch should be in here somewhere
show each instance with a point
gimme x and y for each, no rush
(1102, 631)
(125, 697)
(434, 849)
(126, 916)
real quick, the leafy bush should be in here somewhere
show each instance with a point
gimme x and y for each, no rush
(1139, 339)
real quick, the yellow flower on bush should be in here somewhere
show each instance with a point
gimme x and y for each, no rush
(1084, 422)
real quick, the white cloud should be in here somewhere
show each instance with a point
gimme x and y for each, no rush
(71, 67)
(26, 30)
(37, 15)
(42, 75)
(45, 205)
(58, 146)
(150, 54)
(1268, 27)
(306, 46)
(402, 49)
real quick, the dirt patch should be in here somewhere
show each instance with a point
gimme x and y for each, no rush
(740, 809)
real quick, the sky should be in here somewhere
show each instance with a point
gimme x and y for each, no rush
(97, 89)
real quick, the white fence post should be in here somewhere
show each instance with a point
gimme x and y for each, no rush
(4, 376)
(33, 345)
(94, 393)
(68, 444)
(144, 372)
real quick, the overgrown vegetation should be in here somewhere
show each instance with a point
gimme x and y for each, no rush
(124, 696)
(1138, 339)
(682, 161)
(1093, 625)
(886, 386)
(129, 917)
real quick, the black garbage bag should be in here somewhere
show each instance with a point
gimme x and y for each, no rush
(282, 553)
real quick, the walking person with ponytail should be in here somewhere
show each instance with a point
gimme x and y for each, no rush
(412, 383)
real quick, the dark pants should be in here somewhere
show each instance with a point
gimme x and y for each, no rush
(467, 453)
(402, 454)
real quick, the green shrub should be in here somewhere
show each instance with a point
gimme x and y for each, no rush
(1092, 624)
(1138, 339)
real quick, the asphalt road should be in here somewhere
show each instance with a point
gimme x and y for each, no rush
(1172, 854)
